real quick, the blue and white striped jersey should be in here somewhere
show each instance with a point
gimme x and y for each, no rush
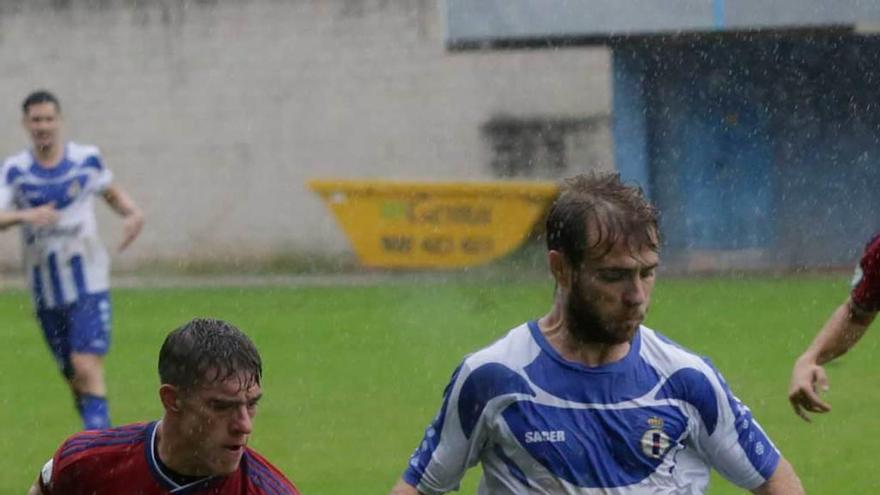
(67, 259)
(654, 422)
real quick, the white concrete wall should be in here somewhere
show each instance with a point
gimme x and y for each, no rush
(214, 113)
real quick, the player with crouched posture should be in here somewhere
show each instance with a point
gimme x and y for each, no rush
(586, 399)
(210, 373)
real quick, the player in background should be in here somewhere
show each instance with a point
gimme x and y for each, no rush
(48, 191)
(840, 333)
(210, 374)
(586, 399)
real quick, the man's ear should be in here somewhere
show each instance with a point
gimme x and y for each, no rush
(560, 268)
(170, 397)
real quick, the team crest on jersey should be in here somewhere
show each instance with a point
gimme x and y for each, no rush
(655, 442)
(73, 190)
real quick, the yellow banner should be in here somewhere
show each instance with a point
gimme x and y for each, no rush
(434, 225)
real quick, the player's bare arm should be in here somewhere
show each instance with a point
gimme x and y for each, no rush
(403, 488)
(35, 488)
(39, 216)
(783, 482)
(839, 334)
(121, 203)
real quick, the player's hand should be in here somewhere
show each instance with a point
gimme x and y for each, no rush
(807, 380)
(41, 215)
(131, 228)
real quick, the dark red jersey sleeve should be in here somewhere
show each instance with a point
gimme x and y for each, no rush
(866, 282)
(98, 462)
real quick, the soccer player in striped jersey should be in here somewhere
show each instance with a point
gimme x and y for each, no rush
(840, 333)
(587, 400)
(210, 375)
(48, 191)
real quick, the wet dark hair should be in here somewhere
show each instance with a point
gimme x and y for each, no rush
(600, 204)
(37, 97)
(205, 351)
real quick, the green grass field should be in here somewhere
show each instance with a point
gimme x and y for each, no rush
(353, 374)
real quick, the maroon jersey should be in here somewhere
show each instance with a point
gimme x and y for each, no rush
(866, 283)
(121, 460)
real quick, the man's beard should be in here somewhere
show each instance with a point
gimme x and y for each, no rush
(586, 326)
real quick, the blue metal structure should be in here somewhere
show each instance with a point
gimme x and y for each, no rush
(754, 126)
(755, 142)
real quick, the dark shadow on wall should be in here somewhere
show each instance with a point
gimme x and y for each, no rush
(543, 147)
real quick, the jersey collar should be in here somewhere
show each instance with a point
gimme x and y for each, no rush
(619, 365)
(48, 173)
(160, 476)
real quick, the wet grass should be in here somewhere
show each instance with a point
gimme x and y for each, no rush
(353, 374)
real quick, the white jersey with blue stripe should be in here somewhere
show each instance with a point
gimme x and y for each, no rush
(65, 260)
(654, 422)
